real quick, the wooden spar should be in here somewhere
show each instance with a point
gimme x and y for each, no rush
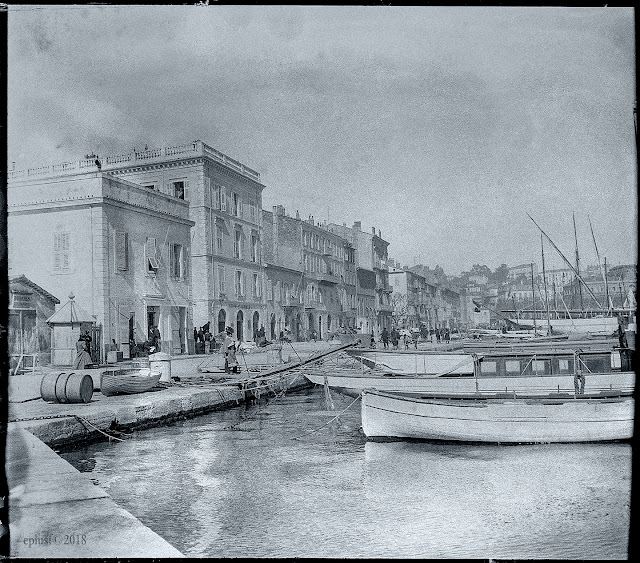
(533, 299)
(567, 261)
(606, 286)
(575, 234)
(603, 272)
(546, 296)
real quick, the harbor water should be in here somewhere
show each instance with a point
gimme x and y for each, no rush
(282, 478)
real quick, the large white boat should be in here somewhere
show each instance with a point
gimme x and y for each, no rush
(527, 371)
(580, 418)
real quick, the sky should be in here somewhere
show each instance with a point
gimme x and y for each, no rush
(441, 127)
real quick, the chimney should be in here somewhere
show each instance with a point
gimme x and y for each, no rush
(357, 225)
(373, 231)
(379, 233)
(297, 214)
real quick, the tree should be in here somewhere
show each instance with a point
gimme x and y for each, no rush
(500, 275)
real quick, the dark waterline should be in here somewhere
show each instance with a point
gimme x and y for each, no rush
(275, 480)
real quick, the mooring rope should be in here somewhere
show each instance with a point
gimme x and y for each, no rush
(330, 420)
(77, 417)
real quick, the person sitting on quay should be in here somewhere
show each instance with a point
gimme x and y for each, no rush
(83, 359)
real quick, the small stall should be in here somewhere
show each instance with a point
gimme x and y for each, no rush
(29, 335)
(67, 324)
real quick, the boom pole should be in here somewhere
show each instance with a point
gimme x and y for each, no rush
(546, 296)
(565, 259)
(575, 235)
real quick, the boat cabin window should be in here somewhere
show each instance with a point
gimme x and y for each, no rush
(512, 367)
(488, 368)
(540, 366)
(565, 366)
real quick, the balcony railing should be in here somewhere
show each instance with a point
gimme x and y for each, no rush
(197, 148)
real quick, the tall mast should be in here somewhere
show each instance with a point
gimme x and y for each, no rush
(546, 296)
(533, 298)
(602, 272)
(575, 234)
(606, 287)
(566, 261)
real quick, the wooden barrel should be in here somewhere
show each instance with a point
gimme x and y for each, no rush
(66, 387)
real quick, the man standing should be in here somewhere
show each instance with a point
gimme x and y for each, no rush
(385, 337)
(155, 338)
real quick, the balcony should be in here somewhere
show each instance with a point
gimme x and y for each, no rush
(326, 278)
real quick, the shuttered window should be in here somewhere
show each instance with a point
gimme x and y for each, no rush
(122, 251)
(221, 285)
(176, 261)
(61, 247)
(151, 259)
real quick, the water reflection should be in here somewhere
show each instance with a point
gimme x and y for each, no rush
(275, 480)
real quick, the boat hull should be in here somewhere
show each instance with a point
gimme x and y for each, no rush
(533, 384)
(497, 421)
(128, 381)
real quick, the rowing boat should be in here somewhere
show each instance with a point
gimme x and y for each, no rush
(128, 380)
(499, 419)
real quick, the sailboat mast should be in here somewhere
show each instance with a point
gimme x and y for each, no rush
(566, 260)
(546, 296)
(533, 298)
(575, 234)
(606, 287)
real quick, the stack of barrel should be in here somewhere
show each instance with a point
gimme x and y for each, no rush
(66, 387)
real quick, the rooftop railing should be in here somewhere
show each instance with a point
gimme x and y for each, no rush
(197, 148)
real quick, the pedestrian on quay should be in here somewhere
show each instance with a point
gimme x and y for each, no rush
(373, 340)
(447, 335)
(154, 337)
(437, 335)
(385, 338)
(82, 358)
(227, 342)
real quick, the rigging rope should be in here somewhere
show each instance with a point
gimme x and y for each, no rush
(330, 420)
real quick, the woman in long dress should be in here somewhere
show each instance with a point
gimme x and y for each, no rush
(82, 356)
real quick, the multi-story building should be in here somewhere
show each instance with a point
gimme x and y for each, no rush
(122, 249)
(522, 270)
(311, 283)
(412, 297)
(225, 202)
(374, 308)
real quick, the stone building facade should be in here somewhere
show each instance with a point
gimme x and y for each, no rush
(310, 271)
(122, 249)
(225, 203)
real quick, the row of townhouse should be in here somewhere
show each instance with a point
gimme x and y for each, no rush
(417, 301)
(176, 237)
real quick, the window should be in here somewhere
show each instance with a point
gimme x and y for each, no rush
(150, 186)
(254, 248)
(253, 210)
(237, 245)
(122, 251)
(61, 244)
(236, 203)
(152, 263)
(255, 291)
(178, 189)
(240, 284)
(221, 286)
(219, 237)
(176, 266)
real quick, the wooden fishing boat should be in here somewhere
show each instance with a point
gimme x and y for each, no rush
(533, 371)
(128, 380)
(499, 419)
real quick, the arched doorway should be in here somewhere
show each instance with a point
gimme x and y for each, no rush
(222, 320)
(328, 324)
(256, 325)
(273, 326)
(239, 324)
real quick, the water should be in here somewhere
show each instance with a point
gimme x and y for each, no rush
(263, 488)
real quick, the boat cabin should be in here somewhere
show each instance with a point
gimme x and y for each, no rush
(519, 364)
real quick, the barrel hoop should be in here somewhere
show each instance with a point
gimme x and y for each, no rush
(65, 388)
(55, 387)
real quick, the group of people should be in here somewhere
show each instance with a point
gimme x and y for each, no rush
(201, 336)
(394, 337)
